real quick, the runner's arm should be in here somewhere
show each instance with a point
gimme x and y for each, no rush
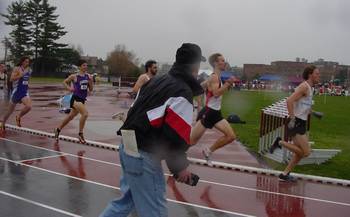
(67, 83)
(214, 85)
(16, 74)
(298, 93)
(140, 81)
(91, 85)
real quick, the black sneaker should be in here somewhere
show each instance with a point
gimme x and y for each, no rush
(287, 178)
(275, 145)
(81, 138)
(57, 133)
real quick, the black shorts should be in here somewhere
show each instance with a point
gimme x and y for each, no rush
(299, 128)
(209, 117)
(76, 99)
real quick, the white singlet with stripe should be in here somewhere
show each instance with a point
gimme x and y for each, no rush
(302, 107)
(213, 102)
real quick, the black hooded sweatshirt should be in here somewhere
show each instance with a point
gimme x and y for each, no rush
(162, 116)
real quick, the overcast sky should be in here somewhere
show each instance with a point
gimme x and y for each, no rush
(244, 31)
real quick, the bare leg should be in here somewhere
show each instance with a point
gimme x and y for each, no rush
(301, 142)
(197, 132)
(68, 118)
(295, 160)
(229, 135)
(10, 110)
(80, 107)
(292, 147)
(27, 102)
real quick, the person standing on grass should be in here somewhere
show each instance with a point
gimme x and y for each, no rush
(82, 83)
(210, 116)
(20, 78)
(299, 107)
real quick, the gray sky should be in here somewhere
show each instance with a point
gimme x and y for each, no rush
(245, 31)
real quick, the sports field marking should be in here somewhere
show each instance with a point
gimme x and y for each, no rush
(216, 164)
(39, 204)
(42, 158)
(117, 188)
(201, 180)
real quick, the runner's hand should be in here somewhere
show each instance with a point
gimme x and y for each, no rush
(183, 176)
(231, 80)
(316, 114)
(291, 123)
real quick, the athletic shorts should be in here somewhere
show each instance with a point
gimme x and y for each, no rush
(209, 117)
(76, 99)
(299, 128)
(17, 97)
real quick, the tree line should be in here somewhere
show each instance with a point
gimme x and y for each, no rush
(35, 32)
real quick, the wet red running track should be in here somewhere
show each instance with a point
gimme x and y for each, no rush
(219, 193)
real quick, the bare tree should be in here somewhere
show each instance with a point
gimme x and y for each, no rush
(123, 62)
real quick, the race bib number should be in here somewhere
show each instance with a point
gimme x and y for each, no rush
(84, 87)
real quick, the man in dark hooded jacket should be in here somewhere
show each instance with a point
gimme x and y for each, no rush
(160, 124)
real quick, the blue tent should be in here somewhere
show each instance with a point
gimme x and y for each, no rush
(270, 78)
(227, 74)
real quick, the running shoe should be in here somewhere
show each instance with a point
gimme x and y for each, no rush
(119, 116)
(207, 156)
(81, 138)
(286, 178)
(57, 133)
(275, 144)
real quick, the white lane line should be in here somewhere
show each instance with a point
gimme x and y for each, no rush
(216, 164)
(39, 204)
(42, 158)
(116, 188)
(60, 152)
(202, 180)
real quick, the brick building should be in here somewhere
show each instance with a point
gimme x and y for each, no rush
(328, 69)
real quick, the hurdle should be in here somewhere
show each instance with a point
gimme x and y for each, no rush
(274, 123)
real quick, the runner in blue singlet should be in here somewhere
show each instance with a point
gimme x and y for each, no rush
(20, 78)
(82, 83)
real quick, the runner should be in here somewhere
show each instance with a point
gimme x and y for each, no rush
(210, 116)
(151, 70)
(3, 82)
(82, 83)
(299, 107)
(20, 78)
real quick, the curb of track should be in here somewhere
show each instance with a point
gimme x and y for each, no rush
(216, 164)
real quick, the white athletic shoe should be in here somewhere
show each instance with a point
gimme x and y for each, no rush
(207, 156)
(119, 116)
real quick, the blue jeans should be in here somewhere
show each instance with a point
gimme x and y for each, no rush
(142, 185)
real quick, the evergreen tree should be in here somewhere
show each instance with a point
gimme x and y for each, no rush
(35, 18)
(17, 17)
(52, 31)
